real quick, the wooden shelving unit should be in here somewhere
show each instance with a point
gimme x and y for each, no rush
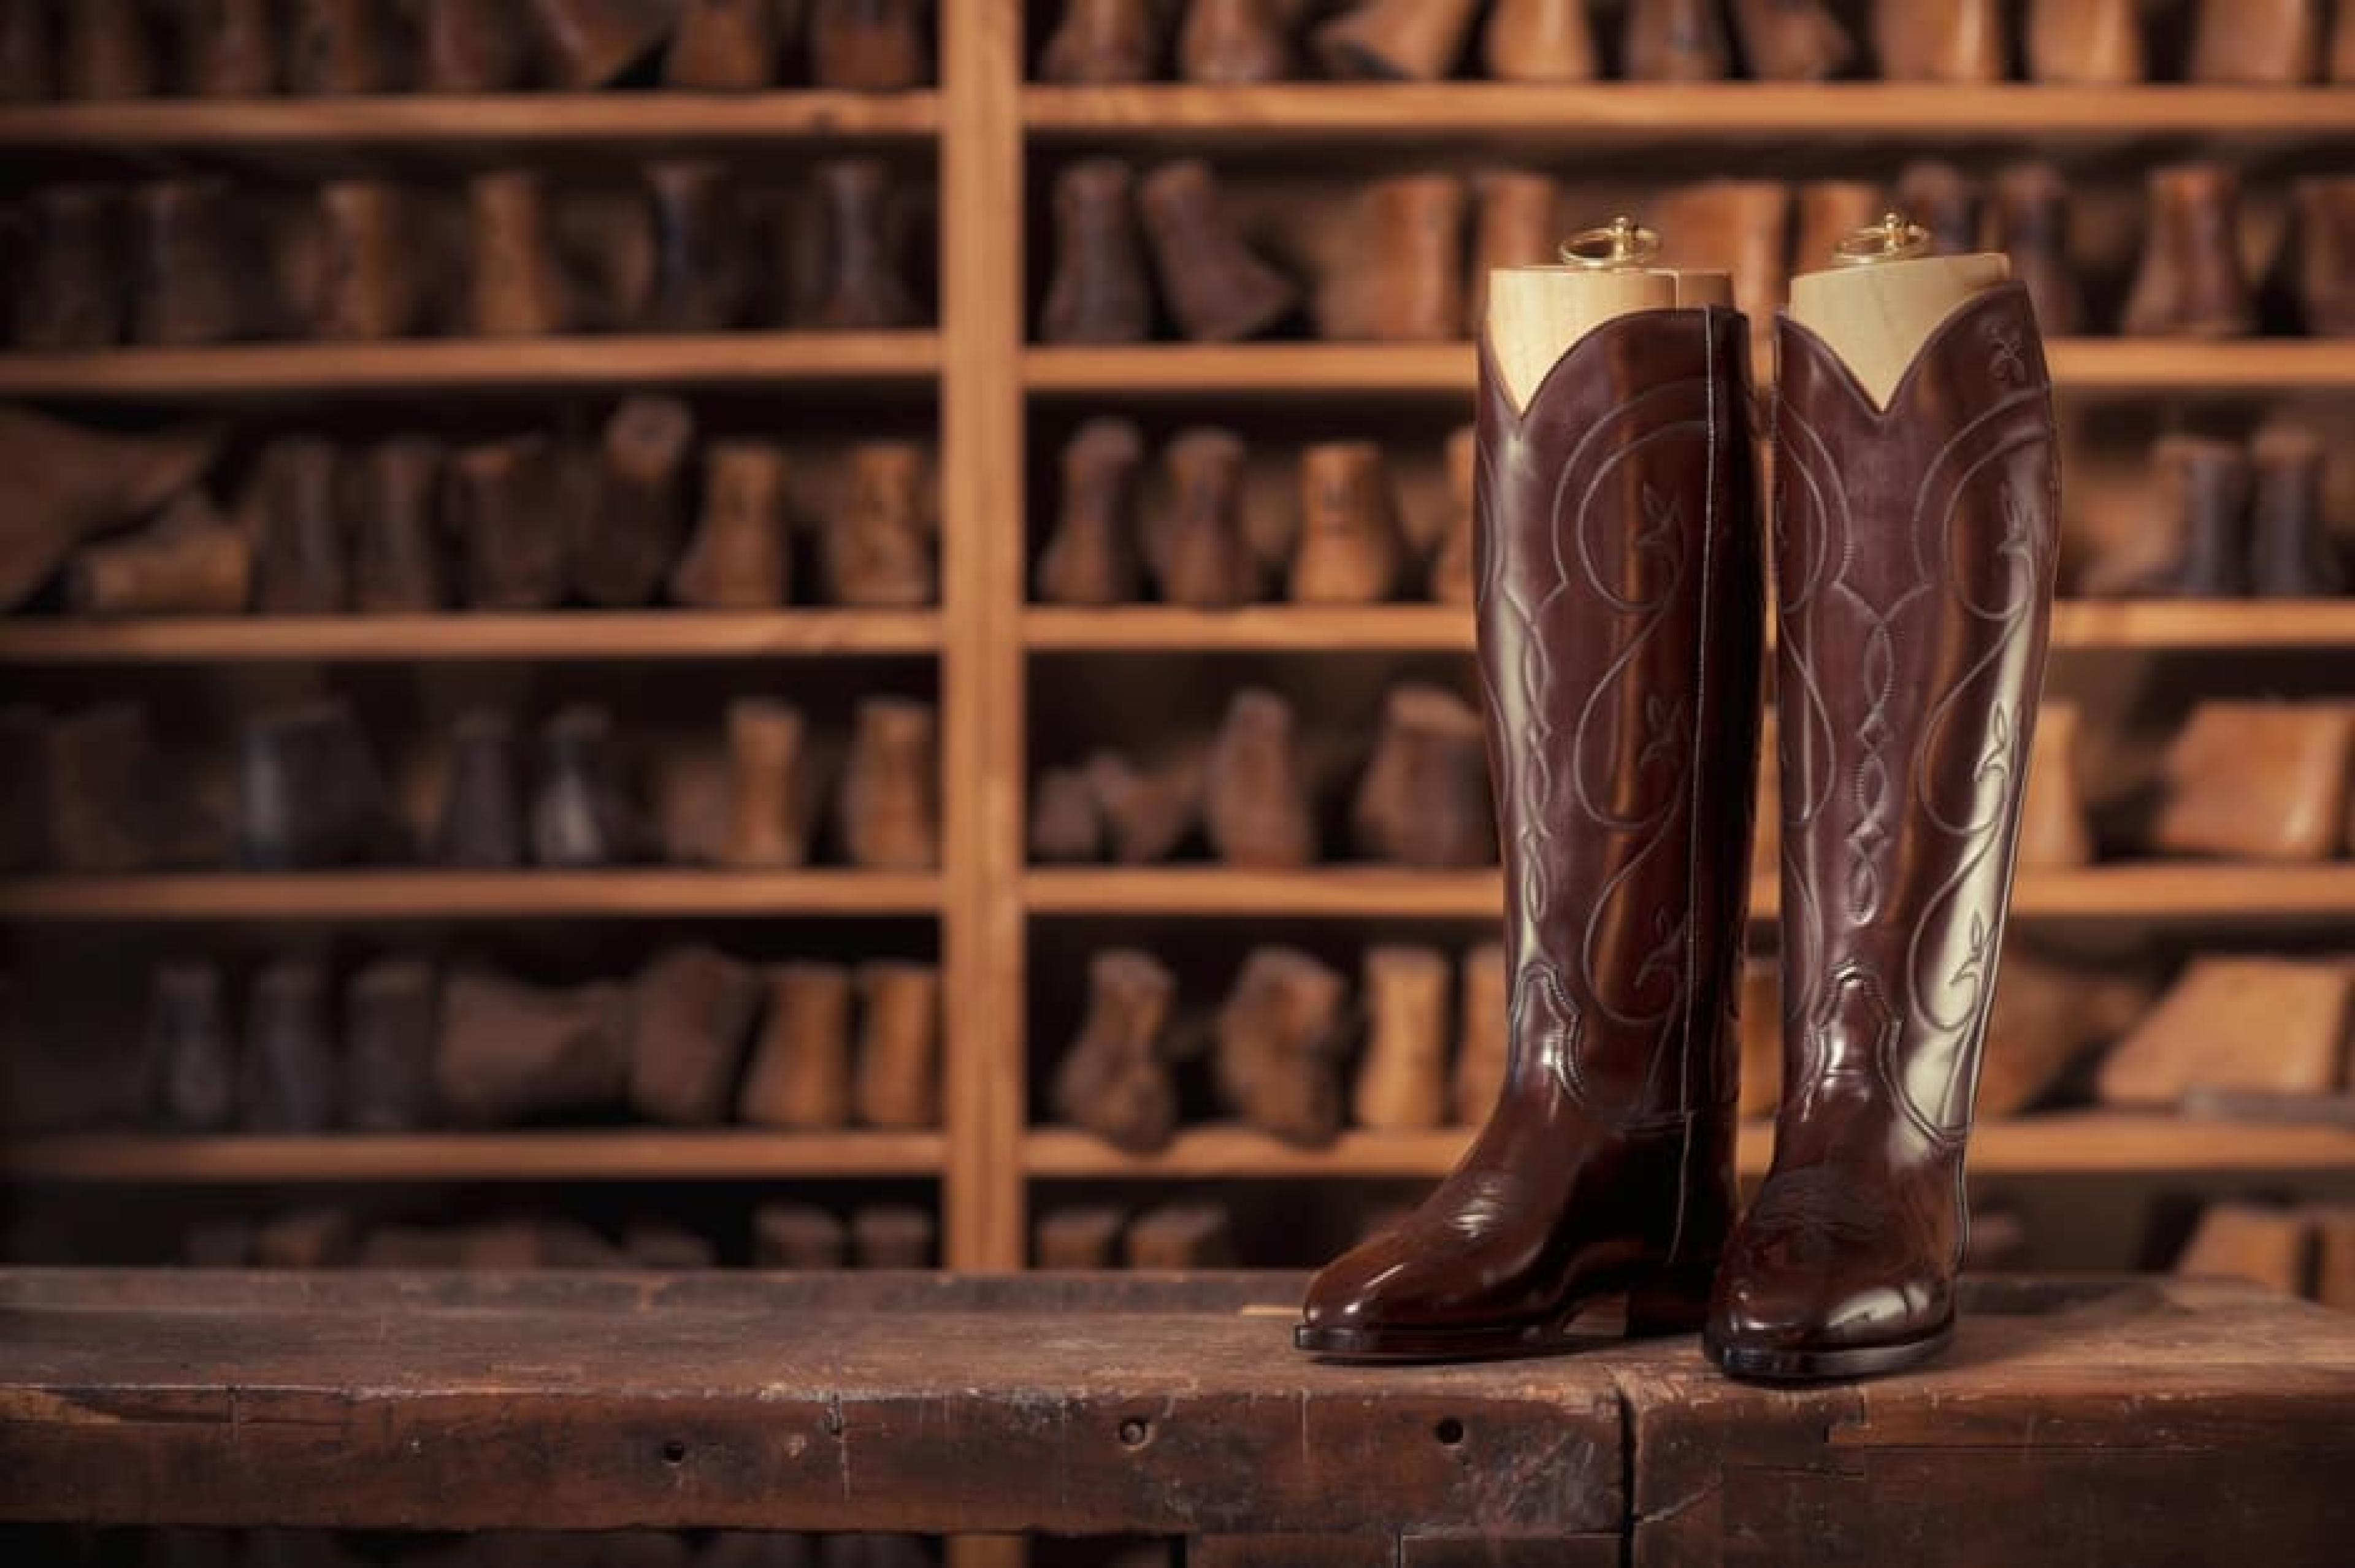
(464, 639)
(620, 1155)
(431, 895)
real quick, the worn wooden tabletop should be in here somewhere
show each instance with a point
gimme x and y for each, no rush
(2146, 1422)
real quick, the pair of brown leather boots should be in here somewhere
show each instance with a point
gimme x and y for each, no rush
(1619, 603)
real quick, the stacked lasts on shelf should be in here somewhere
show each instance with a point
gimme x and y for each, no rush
(98, 793)
(104, 50)
(653, 512)
(1240, 42)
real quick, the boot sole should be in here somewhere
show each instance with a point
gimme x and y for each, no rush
(1654, 1311)
(1761, 1364)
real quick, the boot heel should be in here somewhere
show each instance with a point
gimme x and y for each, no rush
(1674, 1301)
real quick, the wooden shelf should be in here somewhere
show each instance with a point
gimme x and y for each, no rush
(2054, 1143)
(2106, 366)
(2080, 625)
(257, 369)
(413, 121)
(1715, 114)
(473, 638)
(2147, 893)
(617, 1155)
(428, 895)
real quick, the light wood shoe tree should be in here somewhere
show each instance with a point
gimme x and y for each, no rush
(1882, 298)
(1537, 314)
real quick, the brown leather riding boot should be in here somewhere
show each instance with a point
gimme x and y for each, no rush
(1619, 640)
(1914, 585)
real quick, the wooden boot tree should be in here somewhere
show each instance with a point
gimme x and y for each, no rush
(391, 1008)
(2191, 282)
(2095, 43)
(337, 47)
(627, 538)
(691, 1010)
(108, 55)
(2260, 1243)
(1423, 801)
(1350, 550)
(510, 503)
(2044, 1017)
(2260, 43)
(1066, 825)
(1116, 1080)
(1793, 40)
(772, 784)
(581, 814)
(310, 795)
(2032, 224)
(1402, 1081)
(70, 280)
(1829, 211)
(188, 281)
(101, 766)
(2242, 1024)
(888, 807)
(1149, 811)
(702, 278)
(189, 562)
(515, 287)
(587, 43)
(2194, 541)
(894, 1236)
(1256, 803)
(510, 1053)
(227, 48)
(1103, 42)
(72, 484)
(1401, 278)
(2258, 781)
(741, 556)
(1540, 40)
(2291, 553)
(800, 1072)
(2323, 263)
(191, 1057)
(870, 46)
(1451, 581)
(1396, 40)
(1280, 1040)
(1098, 293)
(1176, 1237)
(369, 289)
(481, 822)
(302, 561)
(1092, 557)
(798, 1236)
(859, 286)
(1198, 553)
(1675, 41)
(1515, 227)
(897, 1082)
(1084, 1238)
(1940, 40)
(723, 45)
(1215, 287)
(2055, 834)
(876, 551)
(468, 45)
(287, 1073)
(1234, 43)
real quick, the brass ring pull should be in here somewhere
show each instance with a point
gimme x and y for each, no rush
(1893, 239)
(1621, 243)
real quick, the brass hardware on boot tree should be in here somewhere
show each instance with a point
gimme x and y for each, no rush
(1066, 825)
(1349, 551)
(859, 285)
(71, 280)
(189, 562)
(338, 46)
(2044, 1017)
(1215, 287)
(1675, 41)
(1424, 800)
(1098, 293)
(772, 784)
(888, 809)
(509, 1053)
(1115, 1080)
(2258, 1243)
(509, 505)
(1828, 212)
(1940, 40)
(1087, 1237)
(515, 287)
(2291, 552)
(1515, 227)
(2259, 1025)
(100, 768)
(27, 52)
(391, 1011)
(1483, 1036)
(369, 289)
(581, 814)
(2258, 781)
(303, 563)
(1540, 40)
(1234, 43)
(2265, 43)
(870, 46)
(897, 1081)
(739, 557)
(723, 45)
(227, 48)
(800, 1071)
(187, 276)
(1102, 42)
(1280, 1037)
(691, 1009)
(702, 278)
(1180, 1236)
(797, 1236)
(892, 1235)
(191, 1059)
(1093, 557)
(2054, 833)
(1256, 805)
(2191, 282)
(587, 43)
(1408, 40)
(2193, 541)
(1792, 40)
(876, 551)
(1197, 551)
(1401, 277)
(2031, 225)
(481, 822)
(107, 52)
(1942, 199)
(1402, 1079)
(468, 45)
(1451, 565)
(1149, 811)
(626, 539)
(288, 1072)
(69, 483)
(310, 794)
(2087, 42)
(2323, 262)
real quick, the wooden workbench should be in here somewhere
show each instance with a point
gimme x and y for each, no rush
(2142, 1423)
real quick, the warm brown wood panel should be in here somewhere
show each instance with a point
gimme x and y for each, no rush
(467, 895)
(464, 638)
(589, 1155)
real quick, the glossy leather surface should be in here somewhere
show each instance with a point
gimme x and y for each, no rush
(1620, 612)
(1914, 555)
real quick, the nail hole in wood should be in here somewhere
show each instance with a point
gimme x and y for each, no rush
(674, 1452)
(1136, 1432)
(1450, 1432)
